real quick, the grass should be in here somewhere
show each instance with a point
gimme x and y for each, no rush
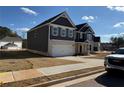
(23, 60)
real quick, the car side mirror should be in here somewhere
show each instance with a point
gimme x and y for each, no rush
(113, 52)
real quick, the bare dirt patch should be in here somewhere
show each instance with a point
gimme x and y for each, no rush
(47, 62)
(23, 60)
(100, 55)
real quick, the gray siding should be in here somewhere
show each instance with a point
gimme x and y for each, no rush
(38, 39)
(63, 21)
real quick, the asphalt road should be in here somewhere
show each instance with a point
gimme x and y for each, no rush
(103, 80)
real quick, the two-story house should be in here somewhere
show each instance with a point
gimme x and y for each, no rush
(86, 42)
(59, 36)
(54, 37)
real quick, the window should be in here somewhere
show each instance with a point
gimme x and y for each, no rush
(63, 32)
(81, 35)
(89, 36)
(70, 33)
(55, 31)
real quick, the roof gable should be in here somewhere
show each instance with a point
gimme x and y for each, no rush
(84, 28)
(63, 21)
(65, 17)
(63, 14)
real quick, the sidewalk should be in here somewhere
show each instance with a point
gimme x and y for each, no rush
(33, 73)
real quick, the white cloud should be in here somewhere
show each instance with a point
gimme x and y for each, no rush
(23, 29)
(120, 24)
(29, 11)
(116, 8)
(12, 24)
(89, 18)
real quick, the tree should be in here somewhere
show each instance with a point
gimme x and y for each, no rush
(4, 31)
(117, 41)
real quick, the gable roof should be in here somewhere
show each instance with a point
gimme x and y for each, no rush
(80, 26)
(11, 39)
(84, 27)
(53, 19)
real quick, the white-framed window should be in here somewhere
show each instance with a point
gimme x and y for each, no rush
(63, 32)
(89, 37)
(81, 35)
(70, 33)
(55, 31)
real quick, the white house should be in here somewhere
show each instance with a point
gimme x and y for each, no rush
(11, 43)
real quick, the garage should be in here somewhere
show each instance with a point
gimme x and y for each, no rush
(62, 50)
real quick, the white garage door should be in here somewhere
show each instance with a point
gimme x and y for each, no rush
(63, 50)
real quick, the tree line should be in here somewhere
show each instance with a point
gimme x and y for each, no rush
(117, 41)
(5, 31)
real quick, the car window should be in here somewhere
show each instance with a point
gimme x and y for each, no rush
(119, 51)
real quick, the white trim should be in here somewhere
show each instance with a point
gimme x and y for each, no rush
(55, 31)
(65, 13)
(32, 29)
(56, 19)
(81, 35)
(64, 27)
(88, 28)
(63, 33)
(83, 26)
(61, 42)
(70, 33)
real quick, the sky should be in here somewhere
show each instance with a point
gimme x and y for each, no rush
(106, 21)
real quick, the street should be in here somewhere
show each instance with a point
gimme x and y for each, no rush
(96, 80)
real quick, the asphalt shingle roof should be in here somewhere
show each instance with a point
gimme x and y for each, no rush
(80, 26)
(47, 21)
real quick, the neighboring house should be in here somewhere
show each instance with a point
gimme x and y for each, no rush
(11, 43)
(55, 37)
(86, 41)
(108, 47)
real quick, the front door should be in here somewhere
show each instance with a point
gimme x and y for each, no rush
(80, 49)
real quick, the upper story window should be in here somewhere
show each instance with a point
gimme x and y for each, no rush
(70, 33)
(89, 37)
(63, 32)
(81, 35)
(55, 31)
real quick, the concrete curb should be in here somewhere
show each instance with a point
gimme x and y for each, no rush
(52, 82)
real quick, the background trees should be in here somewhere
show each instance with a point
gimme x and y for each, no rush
(4, 31)
(117, 41)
